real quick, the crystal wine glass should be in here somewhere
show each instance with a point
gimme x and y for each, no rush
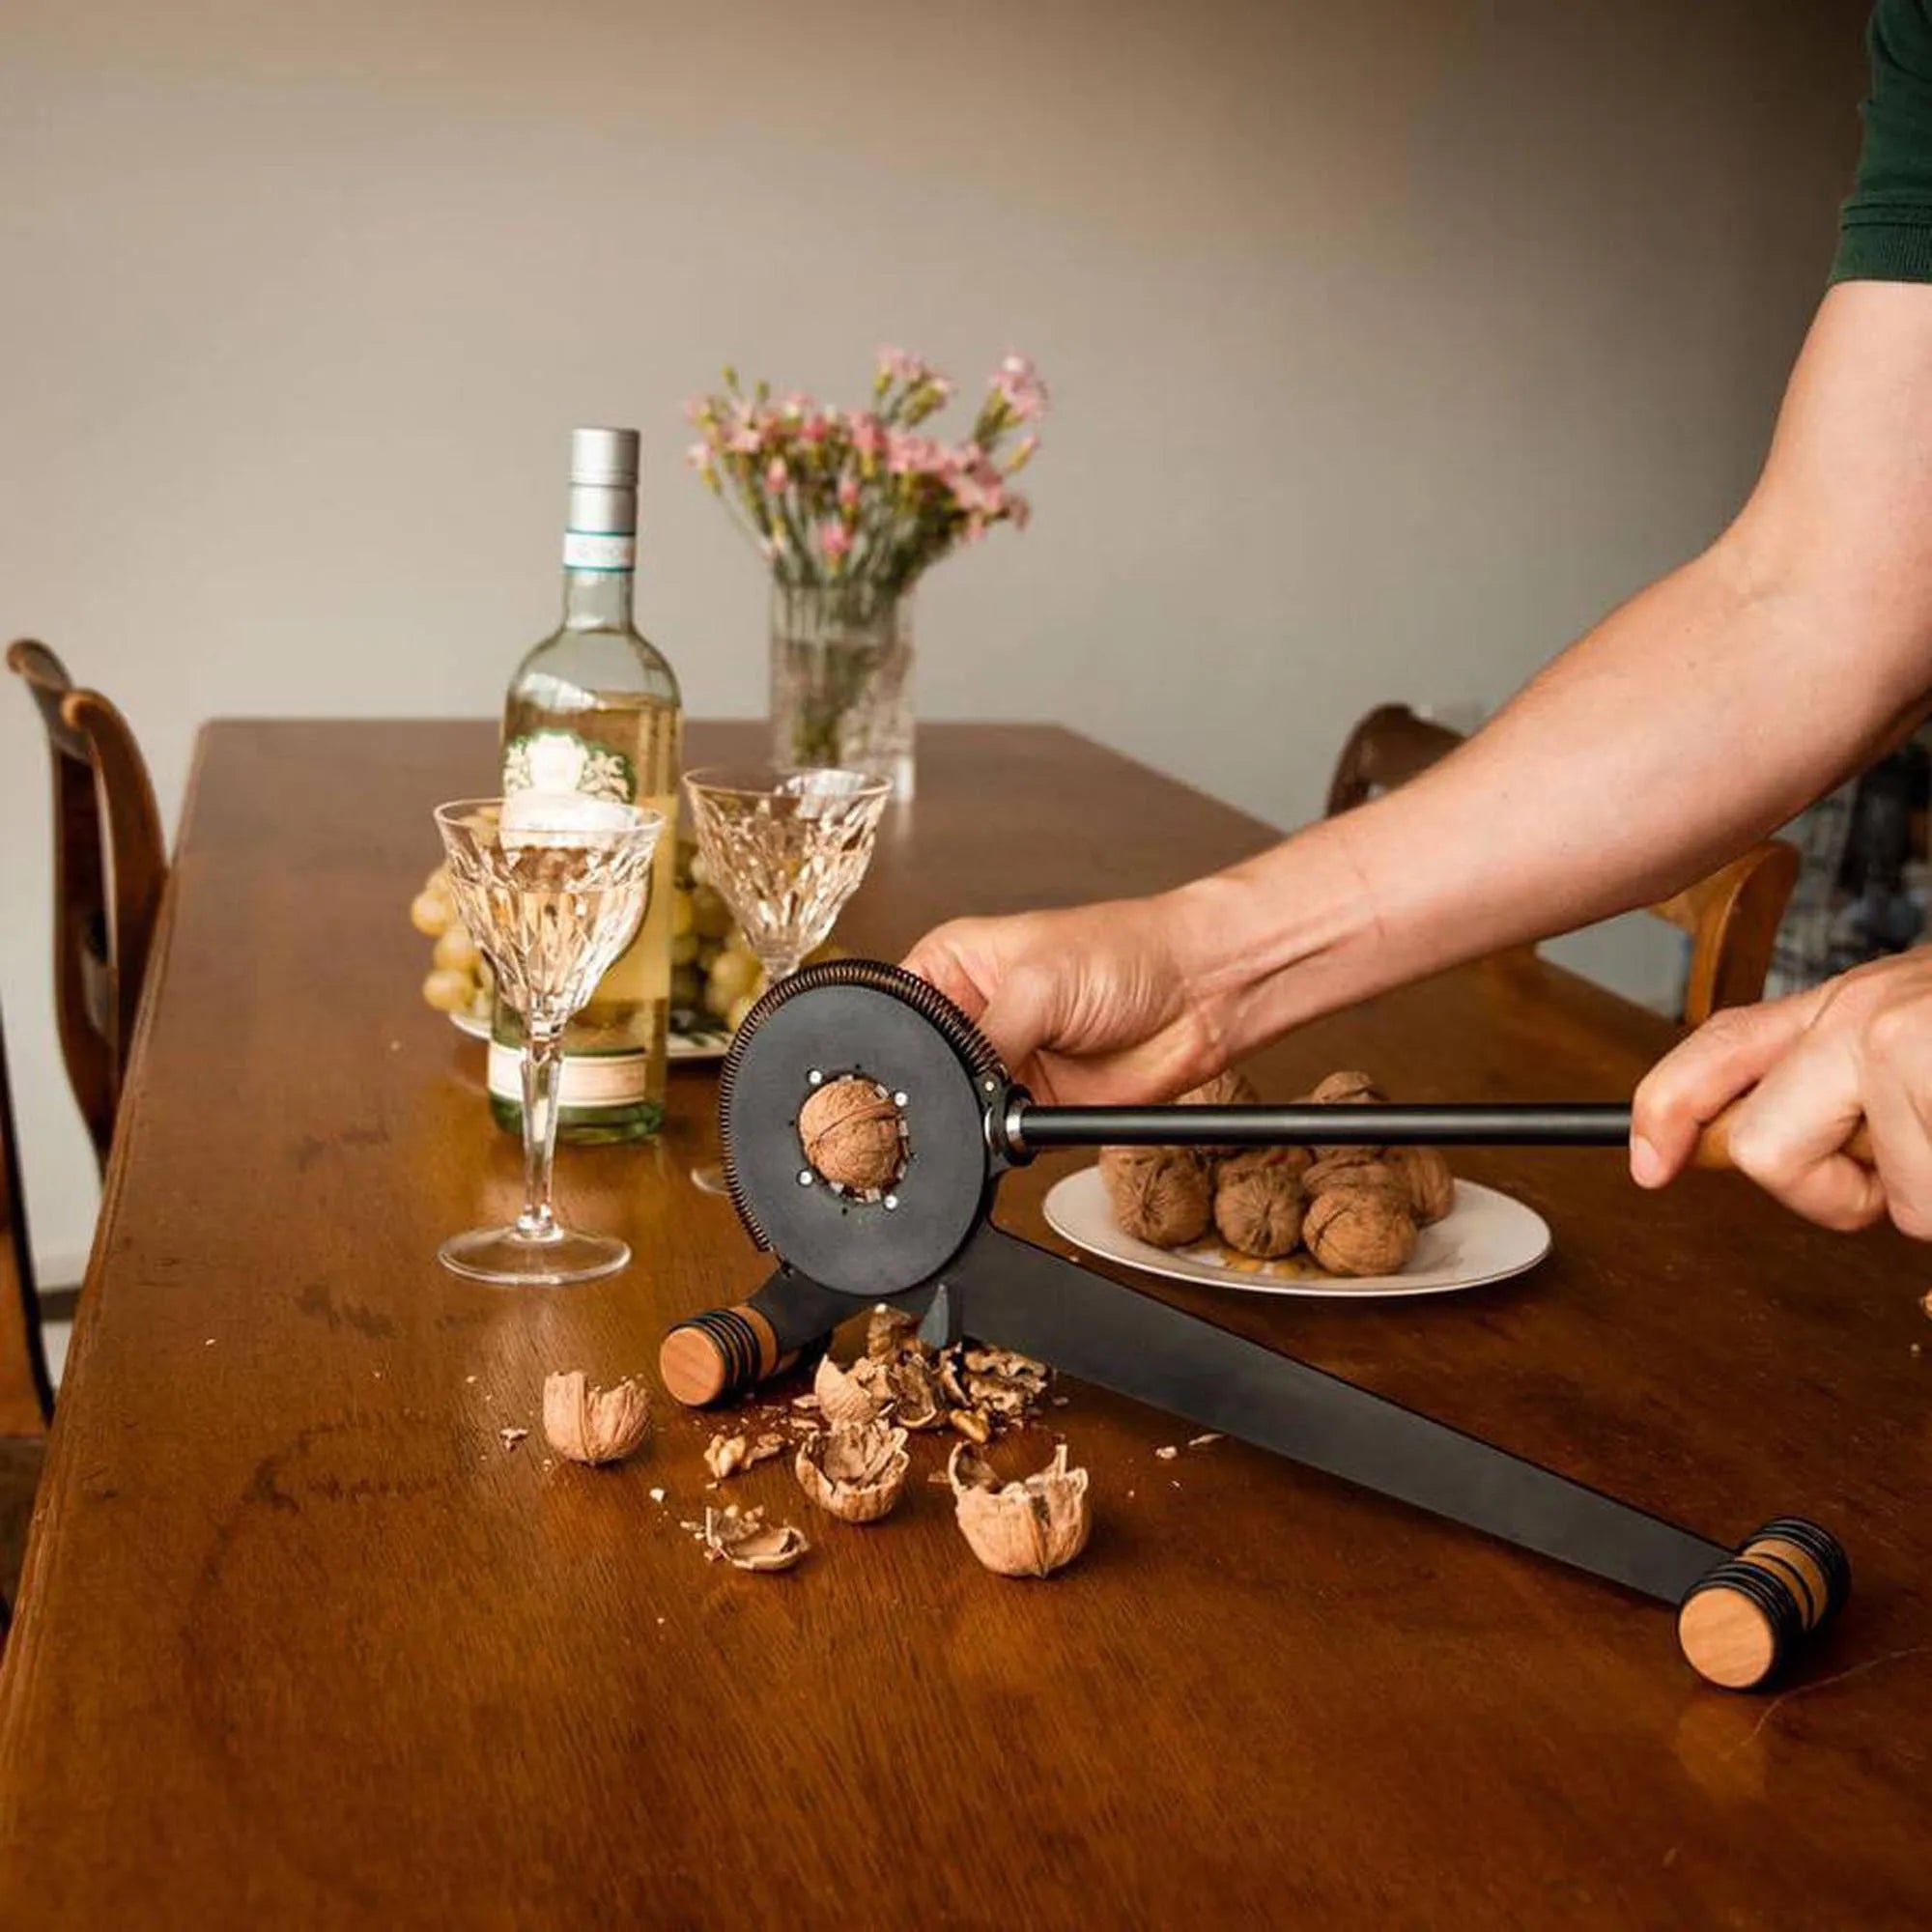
(785, 849)
(553, 887)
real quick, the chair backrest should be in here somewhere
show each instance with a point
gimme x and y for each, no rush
(26, 1394)
(110, 864)
(1732, 916)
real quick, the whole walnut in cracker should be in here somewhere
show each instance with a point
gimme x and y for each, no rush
(1432, 1186)
(1259, 1209)
(853, 1136)
(1230, 1087)
(1360, 1231)
(1160, 1195)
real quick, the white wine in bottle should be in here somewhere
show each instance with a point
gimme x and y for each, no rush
(594, 708)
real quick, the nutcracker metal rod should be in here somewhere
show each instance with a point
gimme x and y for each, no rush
(1029, 1127)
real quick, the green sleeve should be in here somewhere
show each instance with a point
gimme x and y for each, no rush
(1885, 226)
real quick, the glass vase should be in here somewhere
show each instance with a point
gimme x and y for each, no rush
(842, 679)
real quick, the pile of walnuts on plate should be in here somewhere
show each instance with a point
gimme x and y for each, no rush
(1355, 1209)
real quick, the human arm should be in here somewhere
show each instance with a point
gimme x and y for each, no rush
(1692, 719)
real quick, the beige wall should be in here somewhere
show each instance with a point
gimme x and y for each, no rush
(1390, 343)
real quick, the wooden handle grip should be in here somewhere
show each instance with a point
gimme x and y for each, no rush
(1741, 1624)
(1714, 1144)
(719, 1354)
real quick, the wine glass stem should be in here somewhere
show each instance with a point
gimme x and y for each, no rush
(543, 1066)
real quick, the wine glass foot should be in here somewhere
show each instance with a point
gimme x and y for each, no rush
(515, 1260)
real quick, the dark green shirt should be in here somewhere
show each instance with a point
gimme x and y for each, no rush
(1885, 228)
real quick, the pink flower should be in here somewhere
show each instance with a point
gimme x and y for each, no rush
(699, 455)
(915, 455)
(901, 365)
(834, 539)
(1020, 389)
(869, 435)
(848, 492)
(816, 427)
(977, 496)
(777, 475)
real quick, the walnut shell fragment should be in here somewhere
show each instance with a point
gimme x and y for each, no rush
(594, 1425)
(725, 1454)
(1160, 1195)
(1360, 1231)
(1029, 1529)
(1432, 1186)
(1258, 1209)
(853, 1135)
(855, 1471)
(842, 1397)
(744, 1541)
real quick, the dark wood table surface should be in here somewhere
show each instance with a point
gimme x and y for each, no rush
(301, 1643)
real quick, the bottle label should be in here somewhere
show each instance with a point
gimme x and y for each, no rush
(599, 549)
(561, 761)
(592, 1081)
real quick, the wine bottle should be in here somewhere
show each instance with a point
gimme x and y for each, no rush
(594, 708)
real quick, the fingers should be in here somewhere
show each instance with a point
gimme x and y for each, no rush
(1896, 1082)
(943, 958)
(1695, 1082)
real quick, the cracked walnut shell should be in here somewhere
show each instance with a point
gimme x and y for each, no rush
(744, 1541)
(594, 1425)
(1029, 1529)
(855, 1471)
(842, 1397)
(1360, 1231)
(853, 1136)
(1160, 1195)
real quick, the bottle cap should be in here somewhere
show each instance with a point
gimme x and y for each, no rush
(604, 456)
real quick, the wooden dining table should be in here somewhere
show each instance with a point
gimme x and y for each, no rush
(312, 1634)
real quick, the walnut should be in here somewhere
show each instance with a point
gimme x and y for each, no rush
(1348, 1090)
(853, 1136)
(1360, 1231)
(1355, 1167)
(888, 1330)
(1030, 1529)
(742, 1538)
(1296, 1160)
(1161, 1195)
(1258, 1209)
(1230, 1087)
(590, 1425)
(855, 1471)
(1431, 1187)
(842, 1398)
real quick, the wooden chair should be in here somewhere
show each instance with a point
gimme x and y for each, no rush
(110, 863)
(1732, 916)
(26, 1392)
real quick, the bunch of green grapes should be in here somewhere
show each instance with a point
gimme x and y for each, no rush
(459, 980)
(715, 976)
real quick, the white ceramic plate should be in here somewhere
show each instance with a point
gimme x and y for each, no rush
(684, 1047)
(1486, 1236)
